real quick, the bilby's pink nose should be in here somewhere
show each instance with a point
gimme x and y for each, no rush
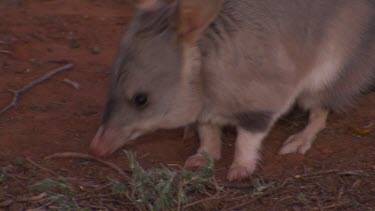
(98, 144)
(106, 141)
(94, 150)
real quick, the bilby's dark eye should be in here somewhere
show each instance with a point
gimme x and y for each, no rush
(140, 99)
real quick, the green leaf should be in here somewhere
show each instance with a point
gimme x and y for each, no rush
(118, 188)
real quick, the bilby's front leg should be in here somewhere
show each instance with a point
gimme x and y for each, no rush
(246, 154)
(210, 143)
(252, 128)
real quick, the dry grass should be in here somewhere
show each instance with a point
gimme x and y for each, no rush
(166, 188)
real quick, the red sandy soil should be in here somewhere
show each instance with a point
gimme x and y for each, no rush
(55, 117)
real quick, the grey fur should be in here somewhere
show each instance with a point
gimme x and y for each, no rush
(255, 121)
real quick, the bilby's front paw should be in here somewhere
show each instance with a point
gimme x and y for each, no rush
(240, 172)
(195, 161)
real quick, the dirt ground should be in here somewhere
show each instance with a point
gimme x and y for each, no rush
(338, 173)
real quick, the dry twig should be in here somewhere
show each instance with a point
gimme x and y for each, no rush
(233, 185)
(72, 83)
(317, 173)
(6, 203)
(101, 196)
(89, 157)
(237, 206)
(2, 42)
(32, 198)
(43, 207)
(6, 52)
(42, 196)
(17, 93)
(214, 197)
(41, 167)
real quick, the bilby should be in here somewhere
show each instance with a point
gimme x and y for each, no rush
(242, 63)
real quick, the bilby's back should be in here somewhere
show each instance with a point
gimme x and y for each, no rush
(308, 49)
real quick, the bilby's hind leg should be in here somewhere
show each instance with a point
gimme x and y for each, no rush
(210, 143)
(190, 131)
(302, 141)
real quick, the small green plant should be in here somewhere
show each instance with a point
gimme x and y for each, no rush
(19, 161)
(260, 186)
(2, 193)
(3, 175)
(50, 184)
(59, 191)
(118, 188)
(162, 188)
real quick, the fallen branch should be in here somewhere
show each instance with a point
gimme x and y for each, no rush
(17, 93)
(88, 157)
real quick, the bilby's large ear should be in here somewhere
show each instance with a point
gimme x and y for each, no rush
(194, 17)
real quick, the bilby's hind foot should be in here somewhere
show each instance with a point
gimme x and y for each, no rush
(302, 141)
